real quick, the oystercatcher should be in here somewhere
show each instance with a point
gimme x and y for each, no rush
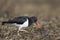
(23, 21)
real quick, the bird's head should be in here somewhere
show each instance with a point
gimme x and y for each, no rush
(35, 22)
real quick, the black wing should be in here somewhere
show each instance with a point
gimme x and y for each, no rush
(19, 20)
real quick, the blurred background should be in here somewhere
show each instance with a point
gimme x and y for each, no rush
(11, 8)
(47, 11)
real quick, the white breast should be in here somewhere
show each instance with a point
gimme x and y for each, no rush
(25, 24)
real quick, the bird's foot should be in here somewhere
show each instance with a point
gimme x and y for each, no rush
(24, 30)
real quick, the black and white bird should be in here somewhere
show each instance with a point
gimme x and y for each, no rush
(23, 21)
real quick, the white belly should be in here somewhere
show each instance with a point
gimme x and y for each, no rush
(25, 24)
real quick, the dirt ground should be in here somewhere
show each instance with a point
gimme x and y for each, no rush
(47, 31)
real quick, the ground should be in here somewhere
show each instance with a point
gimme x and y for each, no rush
(49, 30)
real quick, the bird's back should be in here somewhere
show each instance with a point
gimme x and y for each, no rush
(20, 20)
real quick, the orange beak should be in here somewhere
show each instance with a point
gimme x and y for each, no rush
(37, 24)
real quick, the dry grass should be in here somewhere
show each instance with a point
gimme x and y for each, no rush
(49, 30)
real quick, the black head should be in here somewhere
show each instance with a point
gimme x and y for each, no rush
(34, 19)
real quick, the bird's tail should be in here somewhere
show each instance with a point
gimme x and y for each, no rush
(7, 22)
(4, 22)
